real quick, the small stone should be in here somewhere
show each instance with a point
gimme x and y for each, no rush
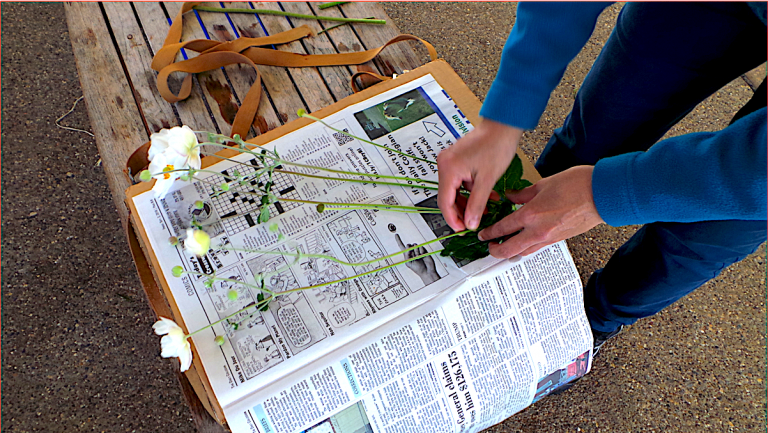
(32, 214)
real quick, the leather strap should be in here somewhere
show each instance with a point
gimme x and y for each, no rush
(360, 74)
(215, 54)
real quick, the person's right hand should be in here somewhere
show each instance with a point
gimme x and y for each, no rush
(476, 161)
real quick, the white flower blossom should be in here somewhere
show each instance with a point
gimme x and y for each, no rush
(174, 344)
(197, 242)
(172, 149)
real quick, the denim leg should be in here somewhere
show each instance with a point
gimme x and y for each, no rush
(662, 263)
(661, 60)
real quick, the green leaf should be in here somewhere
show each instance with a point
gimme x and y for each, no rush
(264, 213)
(469, 247)
(260, 300)
(511, 178)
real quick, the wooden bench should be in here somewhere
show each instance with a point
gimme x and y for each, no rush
(114, 44)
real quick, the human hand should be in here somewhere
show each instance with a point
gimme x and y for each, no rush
(556, 208)
(476, 161)
(424, 267)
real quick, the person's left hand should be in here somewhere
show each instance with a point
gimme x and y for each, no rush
(556, 208)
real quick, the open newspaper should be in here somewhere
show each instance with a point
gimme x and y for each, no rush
(434, 345)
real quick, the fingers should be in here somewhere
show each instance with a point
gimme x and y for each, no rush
(510, 224)
(515, 245)
(477, 200)
(523, 196)
(446, 200)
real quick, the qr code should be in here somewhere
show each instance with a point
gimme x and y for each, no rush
(391, 200)
(342, 139)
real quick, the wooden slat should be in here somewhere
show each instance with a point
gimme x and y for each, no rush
(117, 125)
(192, 111)
(395, 58)
(316, 95)
(222, 102)
(131, 46)
(343, 37)
(336, 77)
(277, 82)
(241, 76)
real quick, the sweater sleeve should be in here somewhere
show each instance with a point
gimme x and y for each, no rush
(544, 39)
(703, 176)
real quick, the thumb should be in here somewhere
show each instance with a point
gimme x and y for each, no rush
(523, 196)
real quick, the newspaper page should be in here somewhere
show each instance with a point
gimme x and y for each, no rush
(417, 118)
(463, 361)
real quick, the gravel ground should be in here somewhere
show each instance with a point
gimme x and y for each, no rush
(77, 351)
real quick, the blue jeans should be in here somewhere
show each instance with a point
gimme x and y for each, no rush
(661, 60)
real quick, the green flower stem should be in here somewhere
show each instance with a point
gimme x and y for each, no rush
(333, 205)
(337, 25)
(330, 5)
(353, 173)
(258, 305)
(197, 170)
(355, 180)
(288, 14)
(242, 283)
(280, 161)
(367, 141)
(316, 286)
(342, 262)
(373, 271)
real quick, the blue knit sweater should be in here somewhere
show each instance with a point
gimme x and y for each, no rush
(694, 177)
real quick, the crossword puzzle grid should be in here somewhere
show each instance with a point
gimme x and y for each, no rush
(235, 202)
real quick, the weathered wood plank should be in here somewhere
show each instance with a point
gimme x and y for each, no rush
(117, 125)
(157, 113)
(393, 59)
(343, 37)
(308, 80)
(192, 111)
(336, 77)
(277, 82)
(241, 76)
(215, 88)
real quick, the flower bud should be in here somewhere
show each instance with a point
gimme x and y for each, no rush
(301, 112)
(232, 295)
(199, 204)
(145, 176)
(320, 208)
(224, 186)
(198, 242)
(219, 340)
(173, 240)
(177, 271)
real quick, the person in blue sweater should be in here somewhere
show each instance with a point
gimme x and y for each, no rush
(701, 197)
